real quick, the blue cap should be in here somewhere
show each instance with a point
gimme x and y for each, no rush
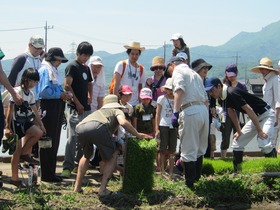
(211, 82)
(175, 58)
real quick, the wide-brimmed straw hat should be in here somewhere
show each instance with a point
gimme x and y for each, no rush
(157, 62)
(265, 63)
(134, 46)
(111, 102)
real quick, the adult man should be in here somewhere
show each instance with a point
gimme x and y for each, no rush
(78, 81)
(97, 128)
(191, 113)
(270, 92)
(261, 118)
(132, 75)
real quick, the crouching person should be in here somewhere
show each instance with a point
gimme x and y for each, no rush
(97, 128)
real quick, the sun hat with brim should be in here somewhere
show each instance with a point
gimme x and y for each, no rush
(265, 63)
(111, 102)
(134, 46)
(199, 64)
(168, 85)
(146, 93)
(95, 60)
(56, 53)
(157, 62)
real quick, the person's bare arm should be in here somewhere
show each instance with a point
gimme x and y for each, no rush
(117, 79)
(4, 80)
(127, 126)
(157, 119)
(178, 99)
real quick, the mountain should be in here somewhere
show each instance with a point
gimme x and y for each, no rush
(245, 49)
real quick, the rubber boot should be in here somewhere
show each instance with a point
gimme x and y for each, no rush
(237, 160)
(271, 154)
(199, 163)
(190, 173)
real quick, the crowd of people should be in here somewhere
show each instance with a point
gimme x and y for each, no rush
(179, 104)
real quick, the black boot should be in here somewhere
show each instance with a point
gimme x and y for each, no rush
(271, 154)
(237, 160)
(190, 173)
(198, 168)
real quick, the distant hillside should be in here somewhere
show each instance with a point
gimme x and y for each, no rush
(245, 48)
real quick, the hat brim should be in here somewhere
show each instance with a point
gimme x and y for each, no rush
(257, 69)
(207, 89)
(112, 106)
(97, 63)
(231, 74)
(146, 97)
(38, 45)
(157, 65)
(200, 66)
(134, 48)
(62, 59)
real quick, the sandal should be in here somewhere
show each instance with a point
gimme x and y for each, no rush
(105, 193)
(28, 159)
(17, 183)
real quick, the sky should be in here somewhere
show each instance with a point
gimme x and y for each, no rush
(110, 24)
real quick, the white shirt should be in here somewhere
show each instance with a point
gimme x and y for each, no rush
(167, 107)
(271, 90)
(190, 82)
(132, 78)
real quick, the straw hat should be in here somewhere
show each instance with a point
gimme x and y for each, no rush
(265, 63)
(111, 102)
(157, 61)
(134, 46)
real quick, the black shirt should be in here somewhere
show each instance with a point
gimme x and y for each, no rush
(236, 98)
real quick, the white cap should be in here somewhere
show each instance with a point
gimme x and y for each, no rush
(96, 60)
(176, 36)
(182, 55)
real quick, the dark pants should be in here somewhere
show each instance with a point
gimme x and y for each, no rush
(53, 123)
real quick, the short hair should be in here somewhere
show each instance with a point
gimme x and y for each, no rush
(128, 51)
(84, 48)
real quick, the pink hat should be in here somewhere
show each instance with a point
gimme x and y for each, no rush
(146, 93)
(126, 90)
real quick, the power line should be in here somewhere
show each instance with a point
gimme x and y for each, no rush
(21, 29)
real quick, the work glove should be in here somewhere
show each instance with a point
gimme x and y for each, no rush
(174, 120)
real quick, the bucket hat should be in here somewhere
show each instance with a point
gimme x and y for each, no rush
(134, 46)
(111, 101)
(265, 63)
(199, 64)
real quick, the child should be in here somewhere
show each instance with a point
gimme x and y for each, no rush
(144, 113)
(215, 124)
(21, 120)
(164, 128)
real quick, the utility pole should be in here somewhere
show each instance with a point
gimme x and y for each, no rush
(73, 49)
(46, 35)
(236, 59)
(164, 49)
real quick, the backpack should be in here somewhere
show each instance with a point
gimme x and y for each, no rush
(112, 84)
